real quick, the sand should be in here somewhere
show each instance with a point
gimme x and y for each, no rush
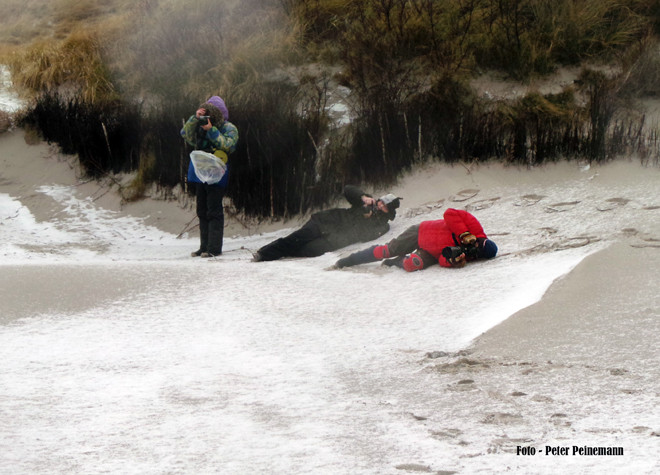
(26, 167)
(594, 336)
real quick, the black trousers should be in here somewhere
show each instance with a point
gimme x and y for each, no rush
(211, 216)
(307, 241)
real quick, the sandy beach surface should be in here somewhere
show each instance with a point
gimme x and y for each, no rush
(112, 363)
(581, 361)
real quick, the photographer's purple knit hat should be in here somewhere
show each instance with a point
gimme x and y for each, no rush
(220, 104)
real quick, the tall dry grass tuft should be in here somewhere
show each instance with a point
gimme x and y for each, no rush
(75, 66)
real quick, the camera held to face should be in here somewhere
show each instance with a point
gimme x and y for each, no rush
(452, 252)
(371, 208)
(200, 132)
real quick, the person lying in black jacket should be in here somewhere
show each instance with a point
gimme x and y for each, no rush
(332, 229)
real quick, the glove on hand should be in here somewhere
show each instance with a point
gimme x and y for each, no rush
(468, 239)
(458, 261)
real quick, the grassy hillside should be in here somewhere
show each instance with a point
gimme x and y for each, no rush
(112, 81)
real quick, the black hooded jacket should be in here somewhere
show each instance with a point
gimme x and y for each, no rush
(344, 226)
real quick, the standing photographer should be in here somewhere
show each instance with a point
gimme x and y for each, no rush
(450, 242)
(332, 229)
(208, 130)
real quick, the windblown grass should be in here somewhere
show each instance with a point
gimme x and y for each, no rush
(75, 63)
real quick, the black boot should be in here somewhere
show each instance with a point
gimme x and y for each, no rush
(215, 236)
(361, 257)
(203, 238)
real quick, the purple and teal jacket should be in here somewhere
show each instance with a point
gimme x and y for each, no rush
(218, 141)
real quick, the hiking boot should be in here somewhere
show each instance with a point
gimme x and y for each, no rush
(208, 254)
(196, 253)
(256, 257)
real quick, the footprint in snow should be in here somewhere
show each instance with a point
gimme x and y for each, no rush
(648, 242)
(481, 204)
(464, 195)
(560, 420)
(414, 467)
(575, 242)
(561, 207)
(612, 203)
(502, 418)
(528, 200)
(424, 209)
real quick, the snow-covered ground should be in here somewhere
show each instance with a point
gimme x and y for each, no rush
(9, 100)
(121, 354)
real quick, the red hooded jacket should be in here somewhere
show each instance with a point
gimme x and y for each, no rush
(434, 236)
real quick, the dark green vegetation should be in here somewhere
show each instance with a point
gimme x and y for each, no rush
(112, 81)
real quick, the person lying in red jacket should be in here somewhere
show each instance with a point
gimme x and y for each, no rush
(450, 242)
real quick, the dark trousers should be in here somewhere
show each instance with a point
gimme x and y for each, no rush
(211, 218)
(307, 241)
(407, 242)
(404, 243)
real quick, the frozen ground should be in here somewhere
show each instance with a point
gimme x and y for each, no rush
(121, 354)
(9, 100)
